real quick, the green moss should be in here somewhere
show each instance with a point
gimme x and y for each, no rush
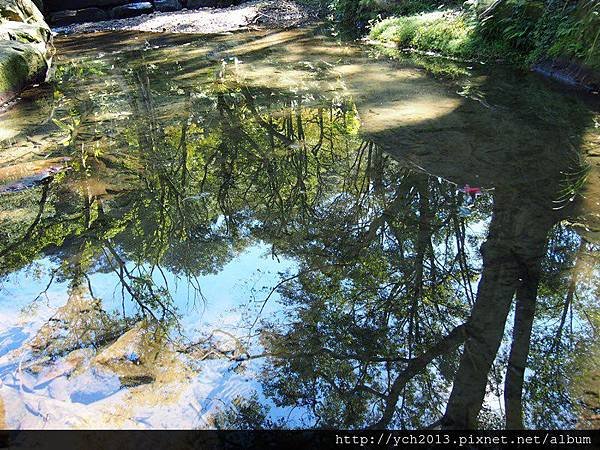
(452, 36)
(19, 64)
(13, 71)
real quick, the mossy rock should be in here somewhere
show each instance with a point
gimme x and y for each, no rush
(25, 47)
(20, 64)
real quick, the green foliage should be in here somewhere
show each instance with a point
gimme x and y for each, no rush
(538, 29)
(513, 22)
(354, 15)
(579, 35)
(520, 31)
(444, 32)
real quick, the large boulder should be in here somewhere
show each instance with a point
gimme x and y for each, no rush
(25, 47)
(24, 32)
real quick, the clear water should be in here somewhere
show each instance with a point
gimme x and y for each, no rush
(270, 229)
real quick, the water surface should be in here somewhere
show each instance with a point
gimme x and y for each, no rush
(277, 229)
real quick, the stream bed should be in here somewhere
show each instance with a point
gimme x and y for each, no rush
(266, 229)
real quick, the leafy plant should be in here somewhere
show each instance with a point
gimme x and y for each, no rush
(521, 31)
(579, 35)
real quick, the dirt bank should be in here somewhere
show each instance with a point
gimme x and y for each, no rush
(256, 13)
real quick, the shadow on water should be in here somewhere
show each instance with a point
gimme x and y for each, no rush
(405, 219)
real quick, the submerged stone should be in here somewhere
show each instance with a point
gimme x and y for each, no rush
(78, 324)
(135, 380)
(138, 341)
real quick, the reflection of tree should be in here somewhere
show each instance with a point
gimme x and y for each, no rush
(184, 200)
(385, 294)
(380, 297)
(353, 357)
(508, 267)
(564, 341)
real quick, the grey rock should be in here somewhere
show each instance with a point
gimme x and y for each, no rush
(80, 15)
(167, 5)
(62, 5)
(131, 10)
(193, 4)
